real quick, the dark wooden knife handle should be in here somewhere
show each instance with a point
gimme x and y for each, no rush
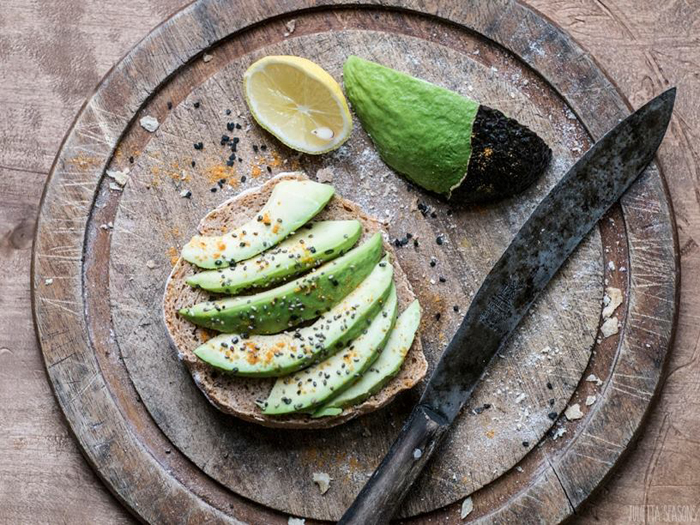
(381, 496)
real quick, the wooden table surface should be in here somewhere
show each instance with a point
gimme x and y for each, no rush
(52, 55)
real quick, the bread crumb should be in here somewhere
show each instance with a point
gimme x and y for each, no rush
(467, 507)
(149, 123)
(609, 327)
(291, 26)
(120, 177)
(207, 57)
(573, 412)
(296, 521)
(558, 433)
(323, 480)
(150, 264)
(324, 175)
(590, 400)
(612, 299)
(594, 379)
(417, 453)
(48, 282)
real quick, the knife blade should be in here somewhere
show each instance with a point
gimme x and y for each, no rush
(556, 227)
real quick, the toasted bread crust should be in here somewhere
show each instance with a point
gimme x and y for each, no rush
(237, 395)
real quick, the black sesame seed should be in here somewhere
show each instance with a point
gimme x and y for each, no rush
(455, 308)
(549, 385)
(551, 402)
(228, 111)
(269, 169)
(244, 178)
(230, 126)
(194, 164)
(238, 126)
(199, 145)
(442, 279)
(255, 148)
(213, 190)
(552, 416)
(437, 316)
(439, 240)
(196, 105)
(170, 105)
(433, 262)
(131, 160)
(526, 444)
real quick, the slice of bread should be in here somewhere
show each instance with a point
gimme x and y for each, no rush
(237, 395)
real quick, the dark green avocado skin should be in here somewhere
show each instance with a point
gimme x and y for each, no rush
(507, 158)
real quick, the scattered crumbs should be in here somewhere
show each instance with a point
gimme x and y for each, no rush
(519, 468)
(296, 521)
(221, 174)
(559, 432)
(207, 57)
(594, 379)
(149, 123)
(291, 26)
(186, 194)
(324, 175)
(612, 299)
(107, 226)
(48, 282)
(609, 327)
(255, 172)
(573, 412)
(151, 264)
(417, 453)
(323, 480)
(591, 399)
(120, 177)
(114, 186)
(467, 507)
(611, 266)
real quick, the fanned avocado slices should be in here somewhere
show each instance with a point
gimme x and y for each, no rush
(292, 204)
(314, 244)
(312, 386)
(440, 140)
(383, 369)
(292, 303)
(287, 352)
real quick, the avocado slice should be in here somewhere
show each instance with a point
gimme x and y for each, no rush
(314, 244)
(287, 352)
(383, 369)
(440, 140)
(290, 206)
(304, 298)
(310, 387)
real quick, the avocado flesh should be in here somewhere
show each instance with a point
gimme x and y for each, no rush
(383, 369)
(292, 204)
(292, 303)
(312, 386)
(287, 352)
(421, 130)
(314, 244)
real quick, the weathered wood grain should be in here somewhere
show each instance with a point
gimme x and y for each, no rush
(661, 471)
(151, 208)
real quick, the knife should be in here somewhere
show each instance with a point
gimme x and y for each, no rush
(556, 227)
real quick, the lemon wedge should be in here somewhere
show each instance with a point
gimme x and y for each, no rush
(298, 102)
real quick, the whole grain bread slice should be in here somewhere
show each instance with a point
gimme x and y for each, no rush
(237, 395)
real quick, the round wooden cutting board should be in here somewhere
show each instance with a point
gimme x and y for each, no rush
(104, 249)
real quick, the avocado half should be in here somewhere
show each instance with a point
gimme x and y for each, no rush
(440, 140)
